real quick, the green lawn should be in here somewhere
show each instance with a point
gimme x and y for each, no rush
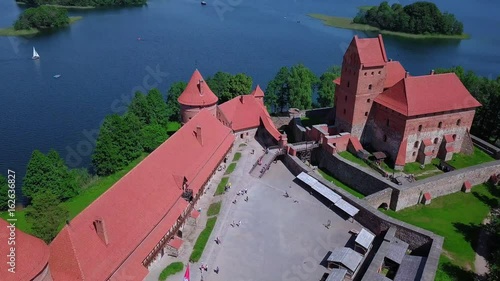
(461, 160)
(457, 218)
(171, 269)
(220, 187)
(353, 158)
(82, 200)
(202, 240)
(242, 144)
(429, 170)
(309, 122)
(325, 174)
(172, 127)
(230, 169)
(214, 209)
(10, 31)
(346, 23)
(237, 156)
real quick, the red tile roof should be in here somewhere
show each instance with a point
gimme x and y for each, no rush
(197, 92)
(32, 255)
(176, 243)
(427, 196)
(401, 157)
(467, 185)
(450, 149)
(395, 72)
(427, 142)
(355, 143)
(371, 51)
(140, 208)
(417, 95)
(195, 214)
(258, 93)
(449, 138)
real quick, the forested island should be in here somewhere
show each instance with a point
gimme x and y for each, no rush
(33, 20)
(82, 4)
(417, 20)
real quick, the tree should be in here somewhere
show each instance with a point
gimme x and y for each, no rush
(173, 105)
(159, 111)
(277, 91)
(139, 106)
(129, 138)
(42, 17)
(220, 85)
(107, 157)
(48, 173)
(302, 82)
(4, 196)
(153, 136)
(46, 216)
(240, 84)
(326, 88)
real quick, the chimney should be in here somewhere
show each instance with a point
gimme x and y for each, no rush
(101, 231)
(407, 74)
(390, 59)
(198, 134)
(432, 72)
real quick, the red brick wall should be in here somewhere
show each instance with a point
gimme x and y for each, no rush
(188, 112)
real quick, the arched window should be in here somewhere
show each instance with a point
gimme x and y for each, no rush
(344, 111)
(366, 113)
(419, 128)
(454, 137)
(416, 144)
(440, 124)
(414, 153)
(345, 98)
(373, 72)
(387, 123)
(385, 138)
(436, 140)
(366, 73)
(348, 84)
(459, 121)
(368, 100)
(370, 87)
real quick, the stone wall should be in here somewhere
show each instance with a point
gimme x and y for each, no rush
(377, 199)
(422, 241)
(360, 178)
(489, 148)
(298, 130)
(444, 184)
(319, 112)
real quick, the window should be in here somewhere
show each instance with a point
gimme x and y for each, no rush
(366, 113)
(385, 138)
(379, 72)
(416, 144)
(344, 111)
(387, 122)
(459, 121)
(436, 140)
(440, 124)
(348, 84)
(454, 137)
(370, 87)
(419, 128)
(414, 153)
(345, 98)
(366, 73)
(373, 73)
(368, 100)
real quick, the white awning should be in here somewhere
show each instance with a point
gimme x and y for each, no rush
(364, 239)
(319, 187)
(346, 207)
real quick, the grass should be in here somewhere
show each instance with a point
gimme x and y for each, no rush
(457, 217)
(230, 169)
(78, 203)
(353, 158)
(242, 144)
(10, 31)
(220, 187)
(202, 240)
(237, 156)
(460, 160)
(325, 174)
(214, 209)
(171, 269)
(172, 127)
(346, 23)
(429, 170)
(309, 122)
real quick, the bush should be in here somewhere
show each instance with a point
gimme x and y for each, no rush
(214, 209)
(42, 17)
(171, 269)
(202, 240)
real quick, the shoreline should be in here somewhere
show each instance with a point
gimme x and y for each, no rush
(62, 6)
(346, 23)
(10, 31)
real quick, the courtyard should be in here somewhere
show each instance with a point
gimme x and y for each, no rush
(279, 238)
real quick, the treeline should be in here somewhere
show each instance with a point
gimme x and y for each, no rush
(416, 18)
(294, 87)
(486, 123)
(42, 17)
(86, 3)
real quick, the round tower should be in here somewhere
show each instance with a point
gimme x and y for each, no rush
(196, 97)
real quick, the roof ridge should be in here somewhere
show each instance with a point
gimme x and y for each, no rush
(74, 251)
(406, 96)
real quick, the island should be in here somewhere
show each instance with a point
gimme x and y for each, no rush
(34, 20)
(417, 20)
(83, 4)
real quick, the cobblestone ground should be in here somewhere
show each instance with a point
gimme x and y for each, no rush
(279, 238)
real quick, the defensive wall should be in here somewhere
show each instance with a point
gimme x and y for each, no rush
(421, 242)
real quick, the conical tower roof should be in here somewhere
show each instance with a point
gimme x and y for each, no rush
(258, 93)
(197, 92)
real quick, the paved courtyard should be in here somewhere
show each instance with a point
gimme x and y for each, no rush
(278, 239)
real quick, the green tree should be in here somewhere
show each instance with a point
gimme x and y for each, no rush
(139, 106)
(326, 88)
(173, 105)
(302, 83)
(46, 215)
(107, 157)
(220, 84)
(153, 136)
(159, 111)
(130, 139)
(277, 91)
(42, 17)
(4, 196)
(240, 84)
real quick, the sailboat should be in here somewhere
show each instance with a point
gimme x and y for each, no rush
(35, 54)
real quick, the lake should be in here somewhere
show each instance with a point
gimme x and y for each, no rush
(102, 62)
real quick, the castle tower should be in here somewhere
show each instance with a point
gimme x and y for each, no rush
(195, 97)
(258, 94)
(362, 78)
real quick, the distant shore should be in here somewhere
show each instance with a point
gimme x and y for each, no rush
(10, 31)
(65, 7)
(346, 23)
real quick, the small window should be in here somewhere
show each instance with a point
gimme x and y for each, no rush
(368, 100)
(370, 87)
(344, 111)
(416, 144)
(440, 124)
(348, 84)
(373, 73)
(345, 98)
(385, 138)
(419, 128)
(414, 153)
(459, 121)
(436, 140)
(454, 137)
(379, 72)
(366, 113)
(387, 122)
(366, 73)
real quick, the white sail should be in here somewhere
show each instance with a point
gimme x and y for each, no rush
(35, 54)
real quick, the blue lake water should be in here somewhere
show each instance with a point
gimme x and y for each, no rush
(102, 62)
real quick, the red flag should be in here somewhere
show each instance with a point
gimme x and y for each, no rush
(186, 275)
